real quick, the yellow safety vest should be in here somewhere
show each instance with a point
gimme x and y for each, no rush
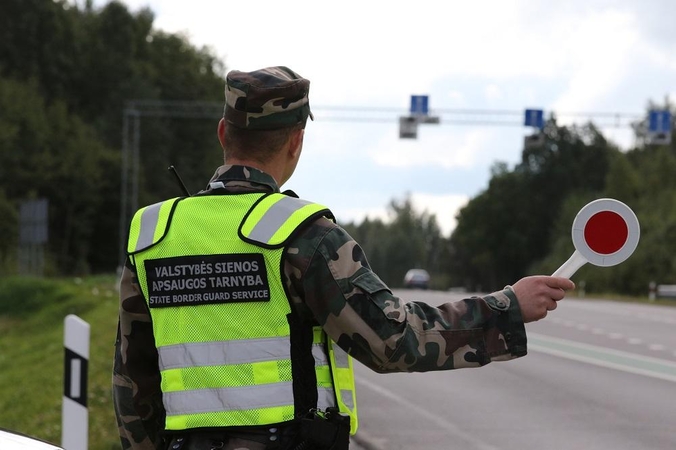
(220, 313)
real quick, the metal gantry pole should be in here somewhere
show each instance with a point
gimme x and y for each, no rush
(124, 194)
(136, 162)
(131, 161)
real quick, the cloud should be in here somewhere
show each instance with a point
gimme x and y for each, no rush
(358, 215)
(492, 92)
(434, 147)
(361, 50)
(456, 97)
(444, 206)
(603, 42)
(361, 56)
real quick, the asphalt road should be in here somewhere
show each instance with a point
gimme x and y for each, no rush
(599, 375)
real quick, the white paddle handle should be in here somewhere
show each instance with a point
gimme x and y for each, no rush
(568, 268)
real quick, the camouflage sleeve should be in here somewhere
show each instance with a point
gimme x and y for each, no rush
(136, 380)
(328, 278)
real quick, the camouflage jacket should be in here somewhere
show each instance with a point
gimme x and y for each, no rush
(329, 280)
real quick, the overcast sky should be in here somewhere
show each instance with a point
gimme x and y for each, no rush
(579, 56)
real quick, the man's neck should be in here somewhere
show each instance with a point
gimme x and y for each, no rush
(271, 169)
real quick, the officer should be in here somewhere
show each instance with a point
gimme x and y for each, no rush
(242, 306)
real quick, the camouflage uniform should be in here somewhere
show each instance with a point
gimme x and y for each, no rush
(329, 281)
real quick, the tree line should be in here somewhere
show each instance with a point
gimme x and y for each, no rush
(67, 71)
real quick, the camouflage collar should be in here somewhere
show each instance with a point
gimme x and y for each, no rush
(242, 178)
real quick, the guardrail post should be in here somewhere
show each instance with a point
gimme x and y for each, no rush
(74, 413)
(651, 291)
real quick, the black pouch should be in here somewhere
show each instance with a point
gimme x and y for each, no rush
(342, 439)
(326, 431)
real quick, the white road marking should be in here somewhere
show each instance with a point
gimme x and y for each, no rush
(604, 357)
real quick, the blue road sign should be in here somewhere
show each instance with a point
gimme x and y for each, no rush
(534, 118)
(419, 105)
(659, 121)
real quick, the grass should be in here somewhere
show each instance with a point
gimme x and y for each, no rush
(32, 313)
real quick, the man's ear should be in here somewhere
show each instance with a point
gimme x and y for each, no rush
(221, 132)
(296, 142)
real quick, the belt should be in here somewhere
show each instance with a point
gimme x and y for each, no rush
(268, 438)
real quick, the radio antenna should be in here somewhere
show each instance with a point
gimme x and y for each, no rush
(180, 181)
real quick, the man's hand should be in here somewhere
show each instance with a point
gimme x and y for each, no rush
(538, 294)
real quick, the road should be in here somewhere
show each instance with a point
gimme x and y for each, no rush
(599, 375)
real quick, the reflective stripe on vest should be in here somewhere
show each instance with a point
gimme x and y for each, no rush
(148, 225)
(149, 218)
(221, 353)
(343, 381)
(237, 398)
(326, 394)
(272, 220)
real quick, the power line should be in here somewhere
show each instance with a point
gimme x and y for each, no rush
(373, 114)
(478, 117)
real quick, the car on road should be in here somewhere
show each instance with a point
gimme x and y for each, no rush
(417, 279)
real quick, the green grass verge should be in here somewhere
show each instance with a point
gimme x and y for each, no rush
(32, 313)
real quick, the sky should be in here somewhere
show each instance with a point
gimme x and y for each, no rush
(365, 59)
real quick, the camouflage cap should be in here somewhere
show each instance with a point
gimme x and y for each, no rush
(266, 99)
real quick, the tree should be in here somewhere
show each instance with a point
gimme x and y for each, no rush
(9, 232)
(45, 152)
(410, 239)
(507, 228)
(66, 74)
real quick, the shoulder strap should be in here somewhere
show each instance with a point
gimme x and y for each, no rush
(149, 225)
(274, 218)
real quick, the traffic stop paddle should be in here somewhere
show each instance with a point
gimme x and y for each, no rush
(605, 233)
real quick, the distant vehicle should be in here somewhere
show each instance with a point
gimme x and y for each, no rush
(11, 440)
(417, 279)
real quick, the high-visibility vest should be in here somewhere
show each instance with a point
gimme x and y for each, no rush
(220, 313)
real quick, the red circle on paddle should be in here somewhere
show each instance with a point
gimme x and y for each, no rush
(606, 232)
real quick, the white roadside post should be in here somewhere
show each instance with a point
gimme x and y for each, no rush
(75, 419)
(651, 291)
